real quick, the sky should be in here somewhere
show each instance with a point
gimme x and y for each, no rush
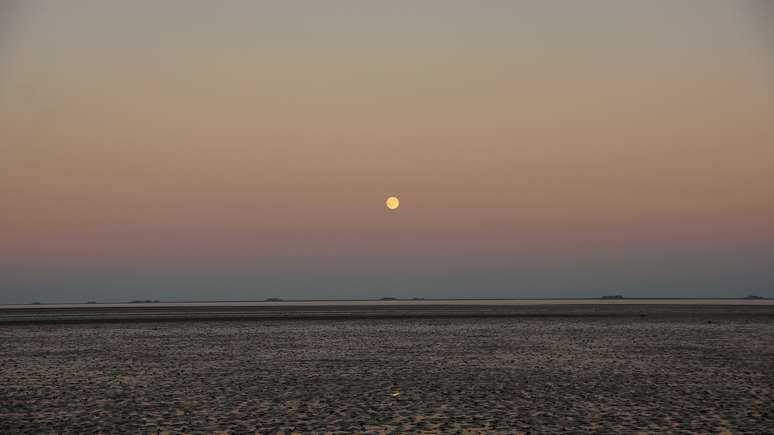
(197, 150)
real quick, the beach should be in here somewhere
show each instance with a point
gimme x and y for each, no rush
(388, 368)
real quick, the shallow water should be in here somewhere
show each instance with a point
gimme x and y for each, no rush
(407, 302)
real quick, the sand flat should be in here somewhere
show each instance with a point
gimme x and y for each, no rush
(535, 369)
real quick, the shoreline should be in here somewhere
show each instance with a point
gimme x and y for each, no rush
(405, 301)
(95, 313)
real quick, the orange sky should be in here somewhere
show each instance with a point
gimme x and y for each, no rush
(153, 138)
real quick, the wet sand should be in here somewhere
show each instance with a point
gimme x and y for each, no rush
(441, 369)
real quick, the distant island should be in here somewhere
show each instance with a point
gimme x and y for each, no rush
(272, 300)
(388, 298)
(147, 301)
(612, 297)
(754, 297)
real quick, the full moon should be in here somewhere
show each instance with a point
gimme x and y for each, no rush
(393, 203)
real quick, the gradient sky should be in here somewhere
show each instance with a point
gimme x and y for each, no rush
(197, 150)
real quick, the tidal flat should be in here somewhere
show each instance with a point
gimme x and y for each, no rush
(614, 369)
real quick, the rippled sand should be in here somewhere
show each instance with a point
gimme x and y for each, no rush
(692, 370)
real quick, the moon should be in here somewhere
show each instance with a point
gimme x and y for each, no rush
(393, 202)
